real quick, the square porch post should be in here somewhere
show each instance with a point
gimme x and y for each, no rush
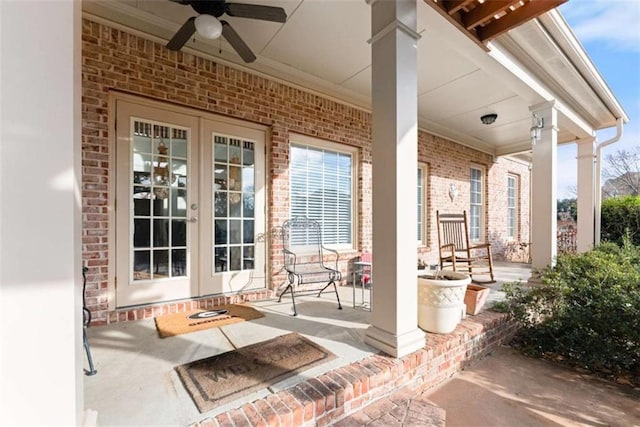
(394, 319)
(544, 227)
(586, 194)
(41, 357)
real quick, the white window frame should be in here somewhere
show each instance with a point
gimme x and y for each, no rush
(513, 205)
(308, 141)
(422, 204)
(476, 204)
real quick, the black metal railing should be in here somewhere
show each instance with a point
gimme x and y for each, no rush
(567, 242)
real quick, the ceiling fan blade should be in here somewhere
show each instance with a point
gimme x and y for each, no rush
(256, 11)
(237, 43)
(183, 35)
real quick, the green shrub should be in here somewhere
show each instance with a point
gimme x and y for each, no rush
(586, 311)
(621, 215)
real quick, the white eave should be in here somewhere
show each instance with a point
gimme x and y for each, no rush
(558, 65)
(558, 27)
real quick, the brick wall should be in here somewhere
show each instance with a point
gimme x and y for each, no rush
(113, 60)
(450, 163)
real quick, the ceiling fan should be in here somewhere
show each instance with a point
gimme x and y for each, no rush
(209, 26)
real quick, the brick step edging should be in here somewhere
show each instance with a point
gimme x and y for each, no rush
(341, 392)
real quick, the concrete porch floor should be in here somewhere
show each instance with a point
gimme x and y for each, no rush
(136, 383)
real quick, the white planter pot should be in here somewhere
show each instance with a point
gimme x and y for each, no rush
(441, 301)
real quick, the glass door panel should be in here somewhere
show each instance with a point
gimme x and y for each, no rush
(154, 192)
(160, 207)
(236, 167)
(232, 190)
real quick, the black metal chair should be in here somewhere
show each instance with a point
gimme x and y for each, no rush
(304, 259)
(86, 319)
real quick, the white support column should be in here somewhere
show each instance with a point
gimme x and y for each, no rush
(394, 320)
(586, 194)
(544, 228)
(41, 357)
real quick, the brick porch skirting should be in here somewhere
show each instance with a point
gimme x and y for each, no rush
(337, 394)
(150, 311)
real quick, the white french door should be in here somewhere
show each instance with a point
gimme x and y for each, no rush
(233, 158)
(189, 204)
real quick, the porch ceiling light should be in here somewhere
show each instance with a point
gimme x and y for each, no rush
(208, 26)
(489, 119)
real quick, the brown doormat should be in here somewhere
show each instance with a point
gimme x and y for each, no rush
(198, 320)
(225, 377)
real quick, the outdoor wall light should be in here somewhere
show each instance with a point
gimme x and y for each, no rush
(488, 119)
(208, 26)
(536, 128)
(453, 192)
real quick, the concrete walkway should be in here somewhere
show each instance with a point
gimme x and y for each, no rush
(508, 389)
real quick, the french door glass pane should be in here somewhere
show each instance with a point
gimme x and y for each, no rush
(234, 198)
(160, 199)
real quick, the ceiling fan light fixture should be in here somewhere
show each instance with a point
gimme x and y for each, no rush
(208, 26)
(489, 119)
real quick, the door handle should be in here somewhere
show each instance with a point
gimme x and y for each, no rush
(193, 219)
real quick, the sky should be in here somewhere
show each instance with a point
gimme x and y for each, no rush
(609, 31)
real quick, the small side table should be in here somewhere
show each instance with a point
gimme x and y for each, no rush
(359, 268)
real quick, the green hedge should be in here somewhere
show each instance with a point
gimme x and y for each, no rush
(619, 216)
(586, 312)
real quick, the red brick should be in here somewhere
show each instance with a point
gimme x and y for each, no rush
(344, 385)
(297, 409)
(317, 397)
(266, 412)
(224, 420)
(238, 418)
(304, 400)
(361, 380)
(329, 395)
(209, 422)
(284, 413)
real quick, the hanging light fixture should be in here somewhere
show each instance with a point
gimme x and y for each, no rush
(489, 119)
(537, 123)
(208, 26)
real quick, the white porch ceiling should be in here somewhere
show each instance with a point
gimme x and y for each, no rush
(323, 47)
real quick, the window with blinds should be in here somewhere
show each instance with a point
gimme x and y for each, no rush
(476, 210)
(422, 172)
(512, 206)
(321, 183)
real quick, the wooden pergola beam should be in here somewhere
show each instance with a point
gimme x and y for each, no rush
(486, 11)
(483, 21)
(455, 18)
(529, 11)
(453, 6)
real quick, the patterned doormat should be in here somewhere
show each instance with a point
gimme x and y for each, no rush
(197, 320)
(225, 377)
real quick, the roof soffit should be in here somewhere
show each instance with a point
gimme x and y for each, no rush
(532, 46)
